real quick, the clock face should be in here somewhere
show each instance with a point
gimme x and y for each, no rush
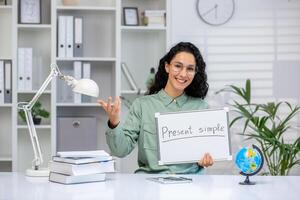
(215, 12)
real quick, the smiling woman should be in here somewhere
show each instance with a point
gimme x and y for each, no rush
(180, 85)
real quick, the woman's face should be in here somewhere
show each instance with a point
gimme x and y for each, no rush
(181, 70)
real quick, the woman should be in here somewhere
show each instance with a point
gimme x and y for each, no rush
(180, 85)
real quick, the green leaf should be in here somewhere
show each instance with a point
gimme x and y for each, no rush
(248, 91)
(263, 123)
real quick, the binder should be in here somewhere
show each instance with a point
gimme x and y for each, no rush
(28, 68)
(61, 36)
(64, 92)
(69, 36)
(77, 76)
(8, 82)
(78, 36)
(1, 81)
(129, 76)
(86, 73)
(21, 75)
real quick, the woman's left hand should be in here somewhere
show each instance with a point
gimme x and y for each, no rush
(206, 161)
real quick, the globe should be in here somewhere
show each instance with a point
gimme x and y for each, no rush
(249, 160)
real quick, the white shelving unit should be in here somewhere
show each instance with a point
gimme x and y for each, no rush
(107, 43)
(142, 46)
(141, 49)
(6, 53)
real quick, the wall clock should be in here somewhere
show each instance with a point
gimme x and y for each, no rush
(215, 12)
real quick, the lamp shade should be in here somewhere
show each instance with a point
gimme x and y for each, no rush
(87, 87)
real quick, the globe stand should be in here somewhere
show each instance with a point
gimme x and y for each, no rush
(247, 182)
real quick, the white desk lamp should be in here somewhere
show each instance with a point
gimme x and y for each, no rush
(83, 86)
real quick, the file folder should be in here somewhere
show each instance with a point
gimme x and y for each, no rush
(21, 73)
(1, 81)
(86, 73)
(28, 68)
(78, 36)
(8, 82)
(77, 76)
(61, 36)
(69, 36)
(129, 76)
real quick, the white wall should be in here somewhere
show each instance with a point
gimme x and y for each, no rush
(260, 33)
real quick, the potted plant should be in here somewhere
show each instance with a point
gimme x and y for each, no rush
(263, 123)
(37, 113)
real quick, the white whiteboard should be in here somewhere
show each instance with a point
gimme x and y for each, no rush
(184, 137)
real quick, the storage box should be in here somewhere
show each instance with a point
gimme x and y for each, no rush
(76, 133)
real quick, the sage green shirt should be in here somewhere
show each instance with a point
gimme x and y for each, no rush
(139, 128)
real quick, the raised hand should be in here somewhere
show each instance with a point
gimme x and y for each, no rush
(206, 161)
(112, 109)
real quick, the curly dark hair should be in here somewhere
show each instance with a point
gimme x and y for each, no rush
(199, 85)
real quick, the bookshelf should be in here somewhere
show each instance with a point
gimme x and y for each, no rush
(6, 109)
(106, 43)
(141, 48)
(147, 44)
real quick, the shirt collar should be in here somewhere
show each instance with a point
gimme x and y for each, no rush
(167, 100)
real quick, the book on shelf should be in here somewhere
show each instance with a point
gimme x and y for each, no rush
(82, 169)
(154, 12)
(154, 18)
(81, 160)
(129, 76)
(96, 153)
(67, 179)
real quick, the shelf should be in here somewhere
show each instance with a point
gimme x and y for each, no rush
(108, 59)
(6, 105)
(6, 7)
(98, 8)
(77, 104)
(5, 58)
(143, 28)
(36, 127)
(133, 92)
(34, 26)
(34, 92)
(5, 159)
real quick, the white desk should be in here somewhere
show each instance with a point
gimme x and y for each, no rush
(15, 186)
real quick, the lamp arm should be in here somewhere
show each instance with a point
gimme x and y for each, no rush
(53, 73)
(26, 107)
(38, 157)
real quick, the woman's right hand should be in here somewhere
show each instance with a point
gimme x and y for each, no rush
(112, 109)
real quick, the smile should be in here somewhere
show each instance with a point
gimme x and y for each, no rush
(181, 80)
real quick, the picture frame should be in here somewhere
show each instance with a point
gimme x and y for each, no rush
(131, 16)
(30, 11)
(3, 2)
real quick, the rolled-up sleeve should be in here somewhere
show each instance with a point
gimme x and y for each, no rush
(123, 138)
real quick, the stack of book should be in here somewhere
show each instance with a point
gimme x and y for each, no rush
(70, 167)
(155, 18)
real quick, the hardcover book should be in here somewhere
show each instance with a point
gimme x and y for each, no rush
(96, 153)
(81, 160)
(82, 169)
(67, 179)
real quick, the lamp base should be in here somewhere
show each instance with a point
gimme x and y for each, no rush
(42, 172)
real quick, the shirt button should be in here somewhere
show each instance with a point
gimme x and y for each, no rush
(175, 100)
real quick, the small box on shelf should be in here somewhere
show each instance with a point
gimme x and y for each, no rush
(154, 18)
(70, 2)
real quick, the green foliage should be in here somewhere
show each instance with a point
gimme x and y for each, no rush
(263, 123)
(36, 111)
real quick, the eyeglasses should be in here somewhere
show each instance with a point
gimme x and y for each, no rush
(178, 67)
